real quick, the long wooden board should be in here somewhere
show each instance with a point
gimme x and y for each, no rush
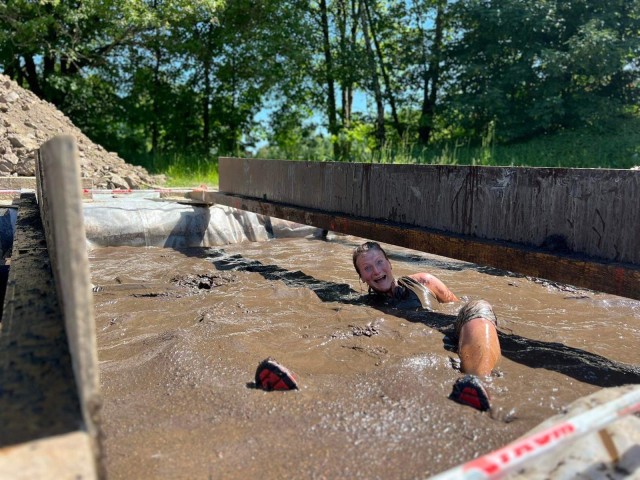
(60, 201)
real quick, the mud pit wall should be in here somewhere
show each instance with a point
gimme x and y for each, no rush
(576, 226)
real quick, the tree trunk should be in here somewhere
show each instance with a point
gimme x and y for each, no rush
(344, 49)
(206, 121)
(31, 74)
(380, 133)
(355, 16)
(431, 79)
(350, 41)
(330, 78)
(155, 130)
(385, 75)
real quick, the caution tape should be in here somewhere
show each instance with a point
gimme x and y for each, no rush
(500, 462)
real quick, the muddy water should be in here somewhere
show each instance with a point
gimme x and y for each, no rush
(180, 334)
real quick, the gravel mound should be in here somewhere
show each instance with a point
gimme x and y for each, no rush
(26, 122)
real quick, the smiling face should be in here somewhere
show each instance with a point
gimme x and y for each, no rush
(375, 270)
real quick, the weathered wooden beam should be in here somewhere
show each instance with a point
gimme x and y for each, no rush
(38, 396)
(59, 192)
(576, 226)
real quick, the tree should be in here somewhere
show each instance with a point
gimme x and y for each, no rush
(260, 53)
(373, 71)
(536, 67)
(64, 50)
(336, 68)
(431, 69)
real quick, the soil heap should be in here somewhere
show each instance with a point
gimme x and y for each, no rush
(26, 122)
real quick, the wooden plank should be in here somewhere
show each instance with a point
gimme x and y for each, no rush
(60, 200)
(59, 457)
(40, 412)
(49, 399)
(612, 277)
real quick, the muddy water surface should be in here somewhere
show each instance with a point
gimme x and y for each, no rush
(180, 333)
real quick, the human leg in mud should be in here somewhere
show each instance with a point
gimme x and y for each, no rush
(479, 352)
(478, 345)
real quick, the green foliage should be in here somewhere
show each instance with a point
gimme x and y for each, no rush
(466, 81)
(615, 144)
(306, 148)
(182, 170)
(540, 67)
(87, 57)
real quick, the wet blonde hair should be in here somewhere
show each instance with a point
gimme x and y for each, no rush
(365, 247)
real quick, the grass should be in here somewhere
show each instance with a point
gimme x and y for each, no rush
(189, 175)
(568, 150)
(183, 170)
(613, 146)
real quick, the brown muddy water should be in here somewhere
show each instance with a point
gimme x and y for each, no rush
(180, 333)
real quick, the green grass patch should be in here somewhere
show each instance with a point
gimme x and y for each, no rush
(182, 170)
(616, 145)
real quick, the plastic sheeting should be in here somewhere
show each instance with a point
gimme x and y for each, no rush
(7, 227)
(132, 221)
(146, 220)
(286, 229)
(612, 453)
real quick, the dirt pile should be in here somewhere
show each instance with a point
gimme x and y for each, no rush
(26, 122)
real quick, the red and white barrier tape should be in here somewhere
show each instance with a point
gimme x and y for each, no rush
(500, 462)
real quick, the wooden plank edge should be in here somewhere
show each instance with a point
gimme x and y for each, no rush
(62, 216)
(66, 456)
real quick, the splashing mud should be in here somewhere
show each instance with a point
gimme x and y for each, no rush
(181, 332)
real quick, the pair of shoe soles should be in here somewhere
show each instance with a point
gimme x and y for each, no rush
(270, 375)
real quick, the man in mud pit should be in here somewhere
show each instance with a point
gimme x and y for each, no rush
(475, 326)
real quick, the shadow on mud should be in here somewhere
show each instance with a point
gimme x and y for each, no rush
(573, 362)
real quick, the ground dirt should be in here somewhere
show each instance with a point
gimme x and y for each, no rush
(26, 122)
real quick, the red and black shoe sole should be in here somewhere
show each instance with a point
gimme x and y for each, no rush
(469, 391)
(270, 375)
